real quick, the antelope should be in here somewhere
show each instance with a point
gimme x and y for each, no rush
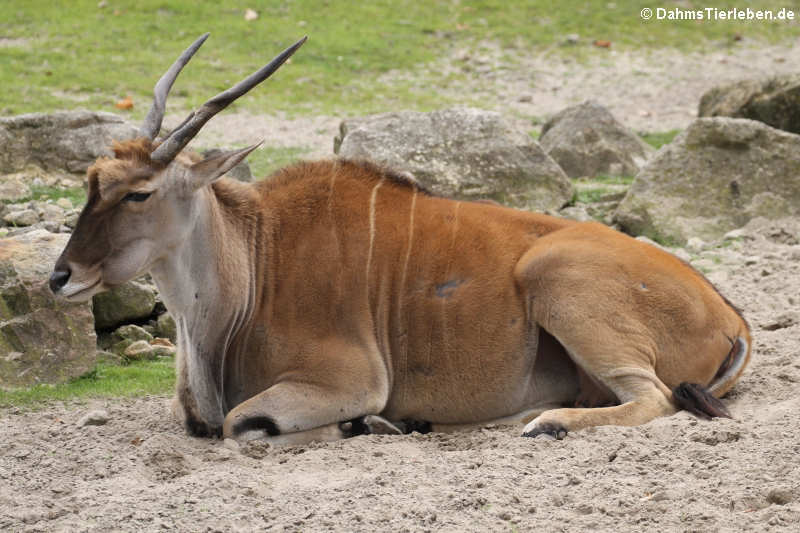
(339, 297)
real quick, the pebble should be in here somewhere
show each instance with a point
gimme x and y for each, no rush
(231, 444)
(98, 417)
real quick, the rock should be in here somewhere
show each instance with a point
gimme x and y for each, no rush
(461, 152)
(714, 177)
(161, 341)
(166, 327)
(64, 203)
(50, 212)
(56, 339)
(26, 217)
(576, 213)
(139, 351)
(240, 172)
(66, 141)
(163, 351)
(586, 140)
(774, 101)
(125, 336)
(13, 188)
(94, 418)
(128, 302)
(695, 244)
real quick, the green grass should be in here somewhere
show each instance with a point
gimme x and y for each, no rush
(76, 195)
(105, 381)
(66, 54)
(266, 160)
(659, 139)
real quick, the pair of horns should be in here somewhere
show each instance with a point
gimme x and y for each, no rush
(180, 136)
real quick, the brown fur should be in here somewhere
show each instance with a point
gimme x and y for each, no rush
(349, 290)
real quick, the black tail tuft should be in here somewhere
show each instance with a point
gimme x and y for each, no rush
(699, 401)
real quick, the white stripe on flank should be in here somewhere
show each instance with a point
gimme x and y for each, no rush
(372, 227)
(410, 239)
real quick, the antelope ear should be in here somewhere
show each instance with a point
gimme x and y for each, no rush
(208, 170)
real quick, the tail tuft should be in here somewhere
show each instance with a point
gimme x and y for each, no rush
(699, 401)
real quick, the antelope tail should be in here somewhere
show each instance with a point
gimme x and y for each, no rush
(701, 400)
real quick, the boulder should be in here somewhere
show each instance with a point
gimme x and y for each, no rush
(462, 153)
(66, 141)
(42, 340)
(774, 101)
(586, 140)
(714, 177)
(128, 302)
(166, 327)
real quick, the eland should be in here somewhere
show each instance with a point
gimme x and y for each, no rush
(339, 297)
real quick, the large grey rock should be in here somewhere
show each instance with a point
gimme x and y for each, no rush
(66, 141)
(586, 140)
(714, 177)
(128, 302)
(463, 153)
(42, 340)
(774, 101)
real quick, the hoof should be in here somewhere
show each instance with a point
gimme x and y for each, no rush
(368, 425)
(554, 431)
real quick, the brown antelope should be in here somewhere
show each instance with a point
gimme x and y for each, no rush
(338, 297)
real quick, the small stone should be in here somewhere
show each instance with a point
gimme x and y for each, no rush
(163, 351)
(94, 418)
(695, 244)
(26, 217)
(64, 203)
(161, 341)
(139, 350)
(131, 332)
(231, 444)
(735, 234)
(51, 212)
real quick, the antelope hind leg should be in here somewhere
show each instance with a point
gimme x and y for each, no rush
(647, 402)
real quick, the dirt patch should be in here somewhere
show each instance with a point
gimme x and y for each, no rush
(649, 91)
(140, 472)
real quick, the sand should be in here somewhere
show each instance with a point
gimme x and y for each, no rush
(141, 472)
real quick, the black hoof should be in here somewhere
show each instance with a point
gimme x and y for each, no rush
(554, 431)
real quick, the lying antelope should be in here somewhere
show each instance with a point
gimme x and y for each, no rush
(340, 297)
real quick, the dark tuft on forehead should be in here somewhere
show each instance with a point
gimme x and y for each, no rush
(131, 162)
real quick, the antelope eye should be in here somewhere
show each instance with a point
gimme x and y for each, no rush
(136, 196)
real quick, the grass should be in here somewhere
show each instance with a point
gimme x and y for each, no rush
(76, 195)
(105, 381)
(64, 54)
(266, 160)
(659, 139)
(594, 190)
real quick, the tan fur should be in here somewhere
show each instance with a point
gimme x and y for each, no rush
(337, 289)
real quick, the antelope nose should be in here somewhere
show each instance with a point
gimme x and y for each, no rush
(58, 279)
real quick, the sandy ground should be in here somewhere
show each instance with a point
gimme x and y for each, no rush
(140, 472)
(649, 91)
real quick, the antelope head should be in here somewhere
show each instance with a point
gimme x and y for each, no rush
(139, 204)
